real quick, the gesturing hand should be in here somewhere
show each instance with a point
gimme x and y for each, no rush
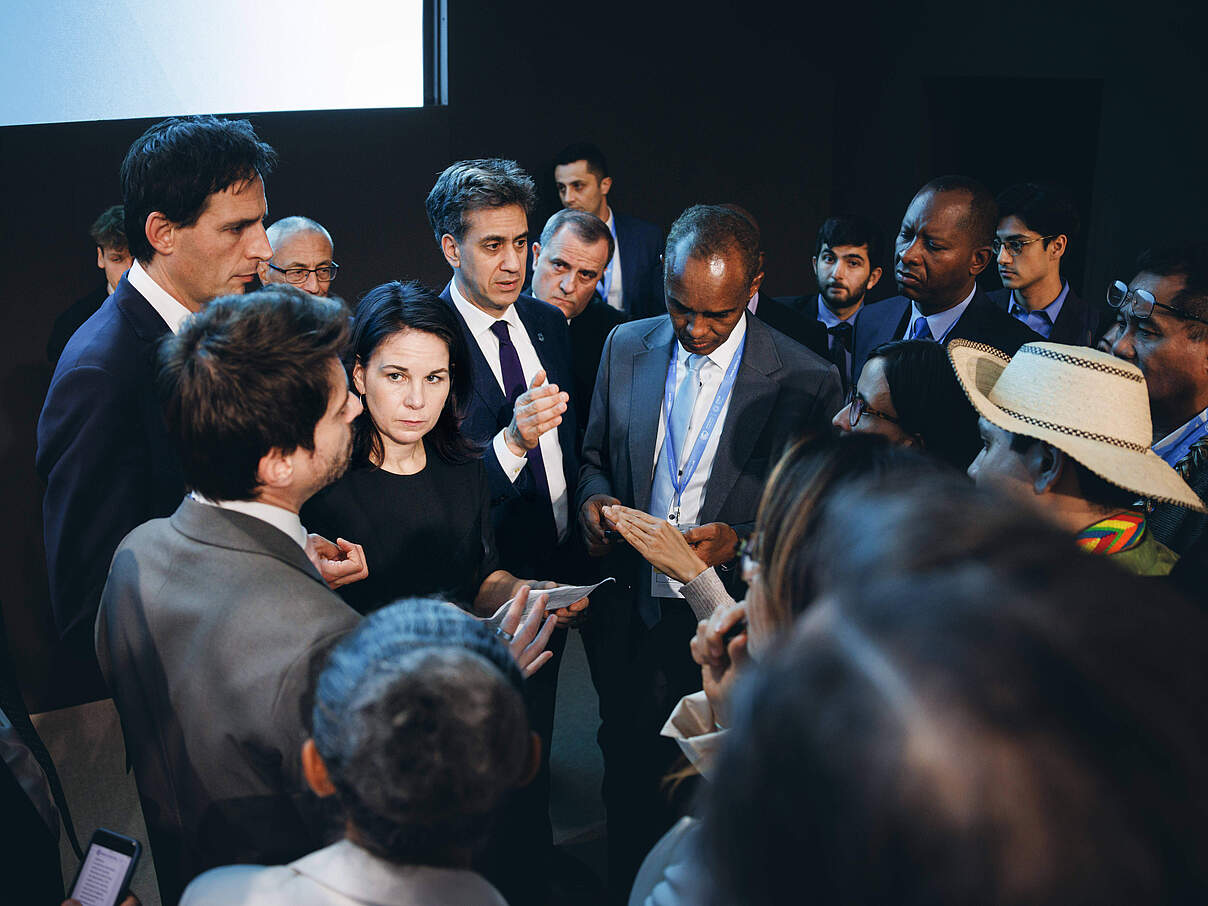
(520, 631)
(570, 615)
(715, 542)
(720, 661)
(339, 563)
(591, 520)
(536, 411)
(661, 543)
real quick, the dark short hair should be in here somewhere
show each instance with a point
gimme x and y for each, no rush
(586, 152)
(1190, 261)
(852, 230)
(177, 164)
(713, 229)
(246, 375)
(109, 229)
(471, 185)
(929, 400)
(1091, 486)
(386, 310)
(981, 213)
(1047, 208)
(588, 227)
(419, 717)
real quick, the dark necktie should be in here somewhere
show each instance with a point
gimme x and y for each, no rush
(514, 385)
(839, 348)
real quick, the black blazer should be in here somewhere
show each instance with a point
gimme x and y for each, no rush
(587, 335)
(1077, 324)
(795, 322)
(981, 322)
(641, 246)
(104, 455)
(522, 527)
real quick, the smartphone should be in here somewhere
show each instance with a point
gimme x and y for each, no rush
(104, 875)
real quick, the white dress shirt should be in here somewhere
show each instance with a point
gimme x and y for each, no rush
(281, 519)
(940, 323)
(712, 370)
(168, 308)
(480, 324)
(614, 268)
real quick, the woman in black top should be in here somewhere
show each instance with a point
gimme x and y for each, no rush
(416, 495)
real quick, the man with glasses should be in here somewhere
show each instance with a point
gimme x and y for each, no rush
(1162, 319)
(1036, 224)
(302, 255)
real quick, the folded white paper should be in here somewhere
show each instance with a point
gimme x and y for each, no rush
(559, 597)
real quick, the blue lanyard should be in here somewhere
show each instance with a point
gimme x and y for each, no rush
(670, 449)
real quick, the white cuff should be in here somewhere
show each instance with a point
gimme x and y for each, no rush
(511, 464)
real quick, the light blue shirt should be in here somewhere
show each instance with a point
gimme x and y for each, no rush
(829, 319)
(941, 323)
(1174, 446)
(1043, 319)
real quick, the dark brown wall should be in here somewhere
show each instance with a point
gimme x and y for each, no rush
(789, 112)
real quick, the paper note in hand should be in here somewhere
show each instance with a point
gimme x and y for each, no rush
(559, 597)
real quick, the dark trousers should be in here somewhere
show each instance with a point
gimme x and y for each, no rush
(640, 673)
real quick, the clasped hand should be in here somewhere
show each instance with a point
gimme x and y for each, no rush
(720, 661)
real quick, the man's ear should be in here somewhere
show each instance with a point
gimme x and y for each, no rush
(536, 253)
(276, 469)
(980, 259)
(1057, 246)
(874, 277)
(1045, 464)
(315, 771)
(755, 284)
(100, 257)
(448, 245)
(161, 232)
(605, 186)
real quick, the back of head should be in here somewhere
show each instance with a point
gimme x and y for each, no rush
(245, 375)
(177, 164)
(707, 230)
(420, 720)
(929, 400)
(586, 152)
(981, 215)
(588, 228)
(471, 185)
(1045, 208)
(854, 231)
(961, 736)
(1190, 261)
(108, 231)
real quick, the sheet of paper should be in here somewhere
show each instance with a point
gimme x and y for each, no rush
(560, 596)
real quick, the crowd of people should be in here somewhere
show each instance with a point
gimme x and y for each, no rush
(906, 597)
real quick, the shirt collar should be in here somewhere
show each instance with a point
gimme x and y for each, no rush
(753, 304)
(1050, 311)
(478, 320)
(1174, 446)
(723, 355)
(942, 322)
(164, 303)
(281, 519)
(830, 319)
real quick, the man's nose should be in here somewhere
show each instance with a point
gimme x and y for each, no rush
(311, 283)
(1004, 255)
(567, 284)
(260, 247)
(1123, 347)
(513, 260)
(842, 419)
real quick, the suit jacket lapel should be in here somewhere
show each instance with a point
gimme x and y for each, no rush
(485, 384)
(650, 365)
(751, 403)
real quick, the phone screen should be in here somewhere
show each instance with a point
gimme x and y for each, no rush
(101, 876)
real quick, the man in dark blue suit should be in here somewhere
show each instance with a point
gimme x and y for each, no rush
(520, 348)
(633, 282)
(943, 244)
(193, 196)
(1036, 224)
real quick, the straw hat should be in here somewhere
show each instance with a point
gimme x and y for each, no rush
(1088, 404)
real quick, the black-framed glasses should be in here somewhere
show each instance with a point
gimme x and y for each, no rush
(324, 273)
(1015, 246)
(857, 408)
(1140, 303)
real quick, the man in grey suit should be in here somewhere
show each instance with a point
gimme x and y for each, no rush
(210, 619)
(730, 391)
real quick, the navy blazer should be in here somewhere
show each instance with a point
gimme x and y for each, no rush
(516, 509)
(641, 245)
(1077, 324)
(104, 454)
(782, 390)
(795, 322)
(982, 322)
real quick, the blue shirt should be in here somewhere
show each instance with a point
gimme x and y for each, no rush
(941, 323)
(1174, 446)
(1043, 319)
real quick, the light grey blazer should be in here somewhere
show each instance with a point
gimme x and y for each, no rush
(207, 628)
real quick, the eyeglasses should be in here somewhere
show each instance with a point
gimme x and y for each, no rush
(748, 557)
(857, 407)
(1140, 303)
(324, 273)
(1015, 246)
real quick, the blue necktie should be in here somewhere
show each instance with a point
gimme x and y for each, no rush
(662, 495)
(922, 330)
(514, 385)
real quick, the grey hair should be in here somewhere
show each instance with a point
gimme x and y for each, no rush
(287, 226)
(588, 227)
(470, 185)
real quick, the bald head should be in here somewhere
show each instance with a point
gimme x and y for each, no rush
(299, 243)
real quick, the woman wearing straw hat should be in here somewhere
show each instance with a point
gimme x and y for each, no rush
(1068, 429)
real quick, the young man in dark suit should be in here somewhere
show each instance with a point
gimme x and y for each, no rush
(740, 390)
(633, 282)
(1036, 224)
(574, 249)
(193, 199)
(942, 246)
